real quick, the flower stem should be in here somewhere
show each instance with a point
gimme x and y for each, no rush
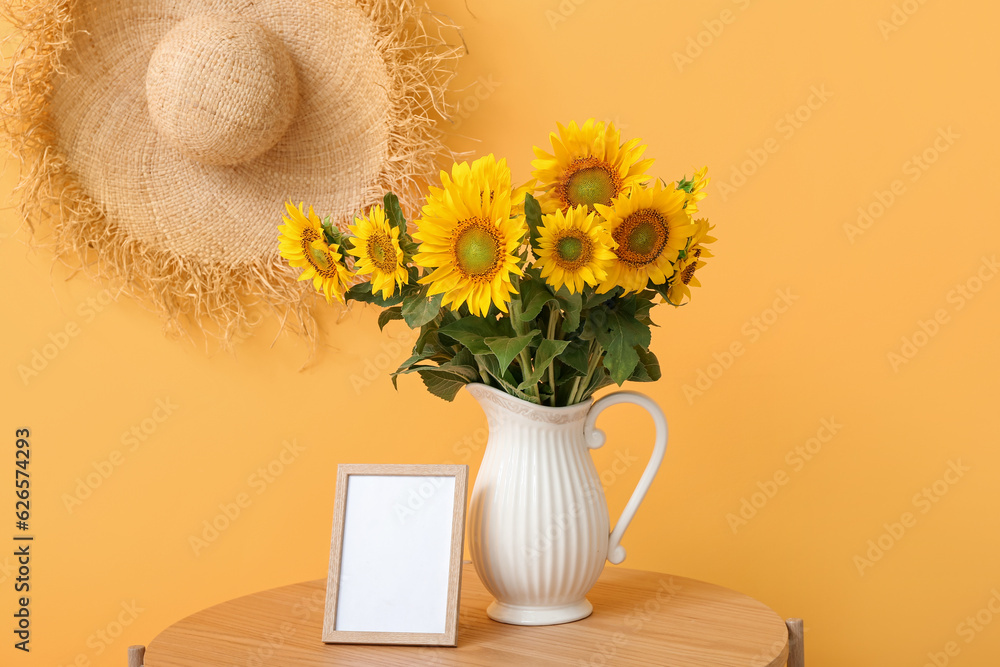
(591, 367)
(572, 392)
(526, 370)
(520, 328)
(592, 360)
(483, 373)
(553, 332)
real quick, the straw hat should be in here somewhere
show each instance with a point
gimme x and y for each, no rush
(162, 136)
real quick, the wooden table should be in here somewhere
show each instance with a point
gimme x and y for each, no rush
(640, 618)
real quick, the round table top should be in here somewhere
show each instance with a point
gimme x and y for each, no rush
(640, 618)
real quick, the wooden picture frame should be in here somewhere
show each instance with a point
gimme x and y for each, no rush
(396, 554)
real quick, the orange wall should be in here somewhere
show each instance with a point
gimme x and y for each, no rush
(786, 226)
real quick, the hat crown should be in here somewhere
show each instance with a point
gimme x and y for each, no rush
(222, 90)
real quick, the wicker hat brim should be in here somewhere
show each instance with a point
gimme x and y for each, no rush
(108, 209)
(331, 155)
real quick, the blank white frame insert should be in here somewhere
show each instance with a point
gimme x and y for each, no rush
(396, 554)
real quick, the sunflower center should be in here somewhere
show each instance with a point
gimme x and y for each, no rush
(570, 248)
(641, 237)
(590, 181)
(688, 272)
(382, 252)
(477, 248)
(573, 250)
(320, 260)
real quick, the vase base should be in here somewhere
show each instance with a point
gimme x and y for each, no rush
(520, 615)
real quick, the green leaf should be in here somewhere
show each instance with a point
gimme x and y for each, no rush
(572, 305)
(334, 237)
(411, 366)
(506, 348)
(547, 351)
(419, 309)
(471, 331)
(619, 333)
(461, 364)
(534, 295)
(533, 216)
(492, 366)
(428, 336)
(464, 358)
(446, 316)
(408, 366)
(363, 292)
(597, 299)
(600, 380)
(445, 382)
(388, 315)
(643, 304)
(360, 292)
(408, 245)
(648, 368)
(506, 380)
(330, 233)
(448, 378)
(575, 355)
(662, 289)
(393, 212)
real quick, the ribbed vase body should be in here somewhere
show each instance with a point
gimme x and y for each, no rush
(538, 519)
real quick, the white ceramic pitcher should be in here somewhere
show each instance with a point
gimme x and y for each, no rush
(538, 519)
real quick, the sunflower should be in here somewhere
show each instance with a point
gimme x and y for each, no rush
(376, 246)
(589, 165)
(650, 227)
(691, 261)
(485, 170)
(695, 189)
(492, 176)
(574, 250)
(302, 243)
(468, 238)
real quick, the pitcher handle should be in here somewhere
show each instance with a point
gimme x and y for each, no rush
(595, 437)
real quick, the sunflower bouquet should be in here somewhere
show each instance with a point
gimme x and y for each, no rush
(543, 291)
